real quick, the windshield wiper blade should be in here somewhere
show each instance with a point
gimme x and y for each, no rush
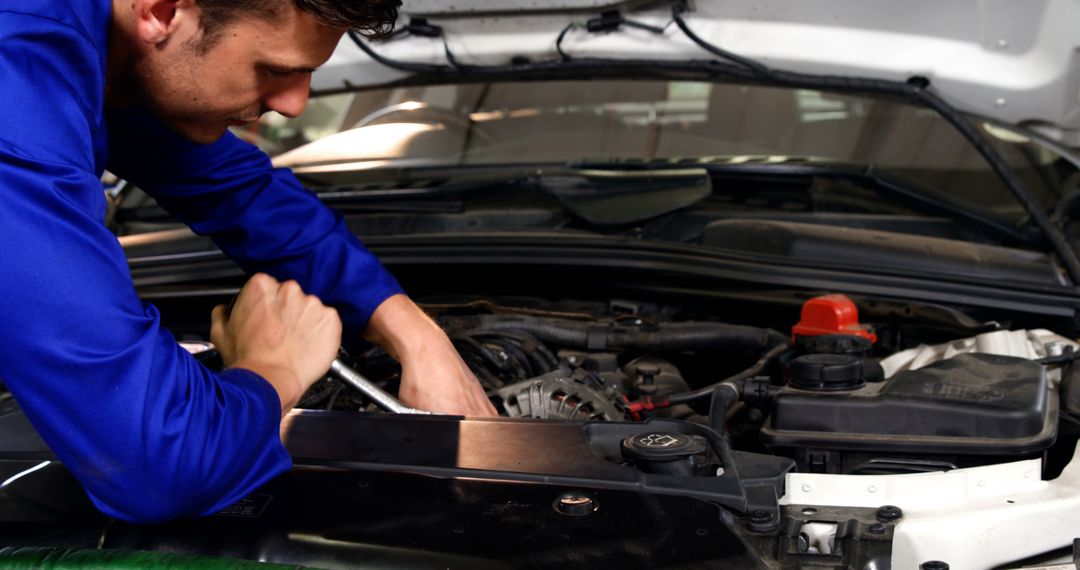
(883, 181)
(598, 196)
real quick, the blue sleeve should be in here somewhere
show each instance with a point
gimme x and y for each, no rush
(150, 433)
(259, 216)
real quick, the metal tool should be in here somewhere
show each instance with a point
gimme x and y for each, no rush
(346, 374)
(382, 398)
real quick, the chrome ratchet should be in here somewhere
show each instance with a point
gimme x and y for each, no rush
(382, 398)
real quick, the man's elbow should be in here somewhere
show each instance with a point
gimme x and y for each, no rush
(151, 504)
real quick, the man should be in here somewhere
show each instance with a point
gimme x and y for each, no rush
(147, 88)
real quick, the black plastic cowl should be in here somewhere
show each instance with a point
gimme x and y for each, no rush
(978, 404)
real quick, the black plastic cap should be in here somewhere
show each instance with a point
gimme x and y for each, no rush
(661, 446)
(835, 344)
(826, 372)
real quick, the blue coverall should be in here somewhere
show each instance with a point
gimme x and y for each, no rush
(150, 433)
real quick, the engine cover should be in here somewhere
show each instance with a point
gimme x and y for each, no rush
(976, 404)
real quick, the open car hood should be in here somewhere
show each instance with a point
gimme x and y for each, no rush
(1017, 62)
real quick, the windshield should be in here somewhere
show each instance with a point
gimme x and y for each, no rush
(627, 120)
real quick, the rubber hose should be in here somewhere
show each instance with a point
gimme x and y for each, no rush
(665, 336)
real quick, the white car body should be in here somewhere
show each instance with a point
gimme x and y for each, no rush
(1017, 62)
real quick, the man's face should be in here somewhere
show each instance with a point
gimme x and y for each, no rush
(253, 66)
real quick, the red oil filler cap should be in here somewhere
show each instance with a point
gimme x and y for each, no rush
(831, 314)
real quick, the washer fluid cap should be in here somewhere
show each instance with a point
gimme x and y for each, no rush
(661, 446)
(826, 372)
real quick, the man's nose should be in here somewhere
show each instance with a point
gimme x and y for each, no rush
(290, 98)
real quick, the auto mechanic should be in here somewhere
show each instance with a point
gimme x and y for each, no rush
(147, 89)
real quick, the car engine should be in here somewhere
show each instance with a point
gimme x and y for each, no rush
(828, 393)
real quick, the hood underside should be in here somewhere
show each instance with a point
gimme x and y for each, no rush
(1017, 62)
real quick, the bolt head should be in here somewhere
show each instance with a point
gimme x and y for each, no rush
(803, 543)
(876, 528)
(934, 565)
(575, 504)
(889, 513)
(760, 516)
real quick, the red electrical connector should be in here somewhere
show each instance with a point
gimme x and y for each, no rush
(831, 314)
(646, 404)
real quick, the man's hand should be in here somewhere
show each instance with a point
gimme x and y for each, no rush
(433, 376)
(278, 332)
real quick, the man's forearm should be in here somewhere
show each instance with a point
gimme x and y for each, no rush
(401, 327)
(433, 375)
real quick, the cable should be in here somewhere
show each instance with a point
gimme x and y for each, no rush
(677, 10)
(393, 63)
(731, 381)
(558, 41)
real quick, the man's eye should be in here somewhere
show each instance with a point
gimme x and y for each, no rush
(275, 72)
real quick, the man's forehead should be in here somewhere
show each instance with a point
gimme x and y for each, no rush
(293, 41)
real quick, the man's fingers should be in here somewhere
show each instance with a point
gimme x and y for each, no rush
(263, 282)
(218, 319)
(290, 290)
(260, 288)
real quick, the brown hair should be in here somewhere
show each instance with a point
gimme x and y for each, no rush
(369, 17)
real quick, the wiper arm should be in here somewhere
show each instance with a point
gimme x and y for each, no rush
(886, 182)
(598, 196)
(907, 190)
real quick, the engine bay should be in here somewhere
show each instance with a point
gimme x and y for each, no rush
(832, 393)
(787, 433)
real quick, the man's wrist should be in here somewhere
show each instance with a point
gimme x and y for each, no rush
(283, 380)
(402, 328)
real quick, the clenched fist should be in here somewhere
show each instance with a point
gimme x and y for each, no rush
(279, 332)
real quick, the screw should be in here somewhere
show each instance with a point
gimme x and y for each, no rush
(889, 513)
(872, 488)
(934, 565)
(876, 528)
(760, 516)
(806, 488)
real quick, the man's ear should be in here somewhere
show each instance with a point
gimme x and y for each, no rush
(157, 20)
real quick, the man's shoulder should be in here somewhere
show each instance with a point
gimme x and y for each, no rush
(54, 56)
(90, 18)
